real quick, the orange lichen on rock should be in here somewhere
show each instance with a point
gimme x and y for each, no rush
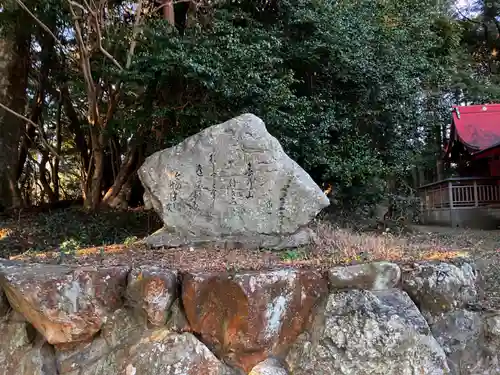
(250, 316)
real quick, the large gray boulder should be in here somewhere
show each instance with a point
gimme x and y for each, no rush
(440, 287)
(362, 332)
(448, 295)
(126, 347)
(231, 183)
(22, 350)
(469, 340)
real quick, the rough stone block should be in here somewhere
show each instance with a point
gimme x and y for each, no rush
(249, 316)
(233, 184)
(362, 332)
(65, 304)
(152, 290)
(369, 276)
(441, 287)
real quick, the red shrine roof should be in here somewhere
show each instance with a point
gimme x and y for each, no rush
(477, 127)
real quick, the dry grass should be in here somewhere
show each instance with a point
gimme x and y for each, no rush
(347, 246)
(344, 244)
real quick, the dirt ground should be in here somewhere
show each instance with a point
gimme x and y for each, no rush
(73, 236)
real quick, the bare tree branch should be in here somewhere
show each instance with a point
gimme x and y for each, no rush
(93, 116)
(83, 50)
(99, 40)
(45, 143)
(94, 15)
(87, 5)
(464, 16)
(135, 31)
(42, 25)
(74, 3)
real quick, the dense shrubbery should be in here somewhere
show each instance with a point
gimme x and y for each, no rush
(356, 91)
(343, 85)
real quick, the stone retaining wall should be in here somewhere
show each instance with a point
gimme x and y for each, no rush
(368, 319)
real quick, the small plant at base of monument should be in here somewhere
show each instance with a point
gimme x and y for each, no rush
(130, 240)
(102, 252)
(293, 255)
(68, 248)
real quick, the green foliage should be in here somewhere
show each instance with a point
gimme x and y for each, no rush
(130, 240)
(342, 85)
(73, 228)
(477, 79)
(69, 246)
(355, 91)
(293, 255)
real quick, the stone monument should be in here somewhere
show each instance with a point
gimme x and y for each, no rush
(230, 184)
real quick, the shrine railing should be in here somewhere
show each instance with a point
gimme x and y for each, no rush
(463, 192)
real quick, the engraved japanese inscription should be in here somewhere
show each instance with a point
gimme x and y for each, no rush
(231, 181)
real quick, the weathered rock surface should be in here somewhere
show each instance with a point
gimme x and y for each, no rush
(22, 351)
(368, 333)
(113, 321)
(460, 333)
(491, 353)
(177, 321)
(231, 183)
(126, 346)
(119, 330)
(440, 287)
(369, 276)
(247, 317)
(64, 304)
(152, 291)
(4, 304)
(270, 366)
(492, 328)
(158, 352)
(445, 292)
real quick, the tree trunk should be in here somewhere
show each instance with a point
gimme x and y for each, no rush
(127, 168)
(14, 65)
(414, 178)
(94, 183)
(121, 199)
(43, 178)
(439, 152)
(55, 165)
(37, 107)
(421, 176)
(76, 128)
(168, 11)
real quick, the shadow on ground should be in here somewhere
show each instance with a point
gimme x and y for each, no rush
(72, 228)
